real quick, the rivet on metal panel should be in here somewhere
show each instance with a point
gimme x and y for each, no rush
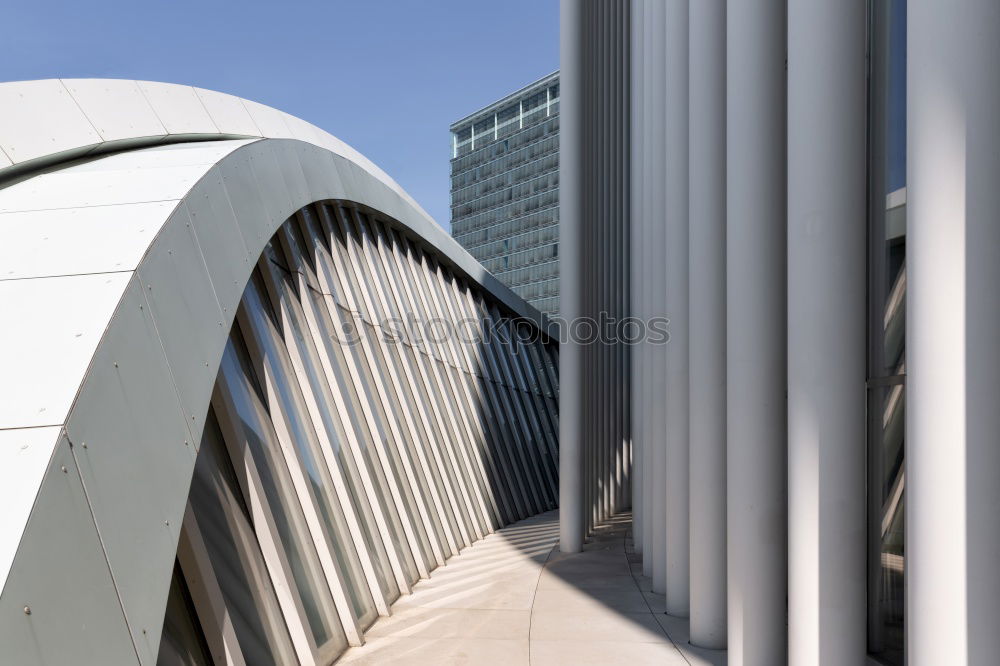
(166, 522)
(186, 443)
(63, 468)
(116, 364)
(83, 444)
(27, 610)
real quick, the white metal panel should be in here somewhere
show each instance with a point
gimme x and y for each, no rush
(39, 118)
(24, 456)
(180, 296)
(303, 130)
(218, 233)
(227, 112)
(335, 145)
(4, 160)
(271, 183)
(245, 197)
(178, 108)
(271, 122)
(190, 153)
(129, 177)
(286, 153)
(49, 329)
(320, 171)
(347, 175)
(116, 107)
(61, 577)
(364, 188)
(47, 243)
(80, 189)
(137, 462)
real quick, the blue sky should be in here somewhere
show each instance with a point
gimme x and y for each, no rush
(386, 76)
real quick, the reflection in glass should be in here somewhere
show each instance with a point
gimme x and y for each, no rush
(393, 410)
(887, 334)
(224, 523)
(182, 642)
(290, 407)
(887, 505)
(344, 386)
(241, 400)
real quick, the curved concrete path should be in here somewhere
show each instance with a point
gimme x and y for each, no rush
(514, 599)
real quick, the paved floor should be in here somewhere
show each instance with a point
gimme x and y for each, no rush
(514, 599)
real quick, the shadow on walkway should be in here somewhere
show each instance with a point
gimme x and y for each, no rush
(515, 599)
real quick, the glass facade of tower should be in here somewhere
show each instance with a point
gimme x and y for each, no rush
(505, 190)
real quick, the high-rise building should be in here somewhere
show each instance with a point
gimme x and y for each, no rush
(505, 190)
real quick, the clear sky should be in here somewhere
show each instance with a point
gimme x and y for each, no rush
(386, 76)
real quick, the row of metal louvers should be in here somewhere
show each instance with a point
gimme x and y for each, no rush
(374, 414)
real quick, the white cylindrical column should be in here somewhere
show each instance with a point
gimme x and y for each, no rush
(676, 293)
(755, 346)
(598, 103)
(638, 282)
(649, 250)
(657, 276)
(826, 332)
(953, 327)
(618, 248)
(573, 266)
(707, 316)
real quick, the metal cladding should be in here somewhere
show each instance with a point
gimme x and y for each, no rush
(251, 392)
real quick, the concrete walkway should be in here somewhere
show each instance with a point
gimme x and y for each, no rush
(514, 599)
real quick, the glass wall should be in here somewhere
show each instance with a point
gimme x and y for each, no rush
(505, 191)
(183, 643)
(373, 414)
(887, 318)
(226, 529)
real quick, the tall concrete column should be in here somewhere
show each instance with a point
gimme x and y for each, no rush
(755, 345)
(573, 267)
(651, 549)
(591, 280)
(657, 276)
(638, 282)
(707, 317)
(598, 102)
(624, 295)
(953, 328)
(826, 332)
(619, 280)
(676, 435)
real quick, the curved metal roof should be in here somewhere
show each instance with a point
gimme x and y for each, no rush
(54, 121)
